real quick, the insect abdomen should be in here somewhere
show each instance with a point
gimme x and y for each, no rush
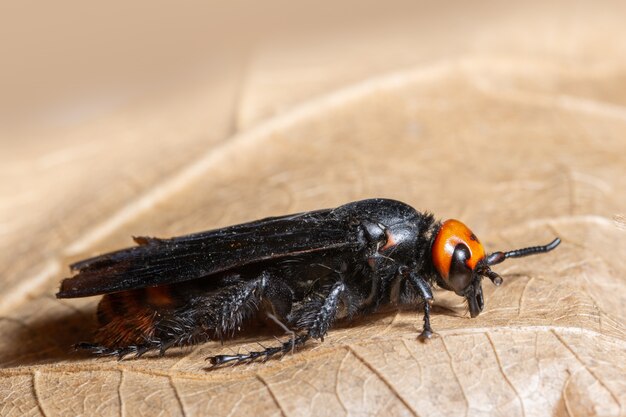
(130, 317)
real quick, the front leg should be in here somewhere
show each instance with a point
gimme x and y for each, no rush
(424, 290)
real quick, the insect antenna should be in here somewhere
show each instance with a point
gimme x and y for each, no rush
(497, 257)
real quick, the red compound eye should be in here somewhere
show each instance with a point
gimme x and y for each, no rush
(451, 234)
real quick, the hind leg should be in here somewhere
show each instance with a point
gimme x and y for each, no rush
(204, 317)
(315, 317)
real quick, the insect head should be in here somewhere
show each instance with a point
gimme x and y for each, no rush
(461, 262)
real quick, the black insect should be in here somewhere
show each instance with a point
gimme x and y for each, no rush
(303, 270)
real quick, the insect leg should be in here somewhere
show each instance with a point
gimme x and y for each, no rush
(198, 319)
(265, 354)
(314, 316)
(324, 317)
(281, 305)
(424, 290)
(220, 315)
(230, 308)
(120, 352)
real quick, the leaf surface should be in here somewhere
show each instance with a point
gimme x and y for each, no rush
(521, 144)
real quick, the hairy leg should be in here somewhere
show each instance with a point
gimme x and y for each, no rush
(315, 317)
(218, 315)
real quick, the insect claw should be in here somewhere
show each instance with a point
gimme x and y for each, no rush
(140, 352)
(165, 346)
(425, 336)
(218, 360)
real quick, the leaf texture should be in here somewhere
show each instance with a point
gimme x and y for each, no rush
(522, 137)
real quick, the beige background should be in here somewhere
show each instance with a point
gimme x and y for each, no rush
(160, 121)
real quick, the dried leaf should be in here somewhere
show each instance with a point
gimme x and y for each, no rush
(520, 149)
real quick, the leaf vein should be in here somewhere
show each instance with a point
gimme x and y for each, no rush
(384, 380)
(578, 358)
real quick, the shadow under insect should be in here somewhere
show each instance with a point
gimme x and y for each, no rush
(44, 340)
(53, 339)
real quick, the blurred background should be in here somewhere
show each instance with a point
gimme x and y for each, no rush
(71, 63)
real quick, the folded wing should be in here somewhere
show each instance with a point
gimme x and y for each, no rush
(165, 261)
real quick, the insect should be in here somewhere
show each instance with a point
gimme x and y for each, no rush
(304, 270)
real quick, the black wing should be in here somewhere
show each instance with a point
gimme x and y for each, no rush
(166, 261)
